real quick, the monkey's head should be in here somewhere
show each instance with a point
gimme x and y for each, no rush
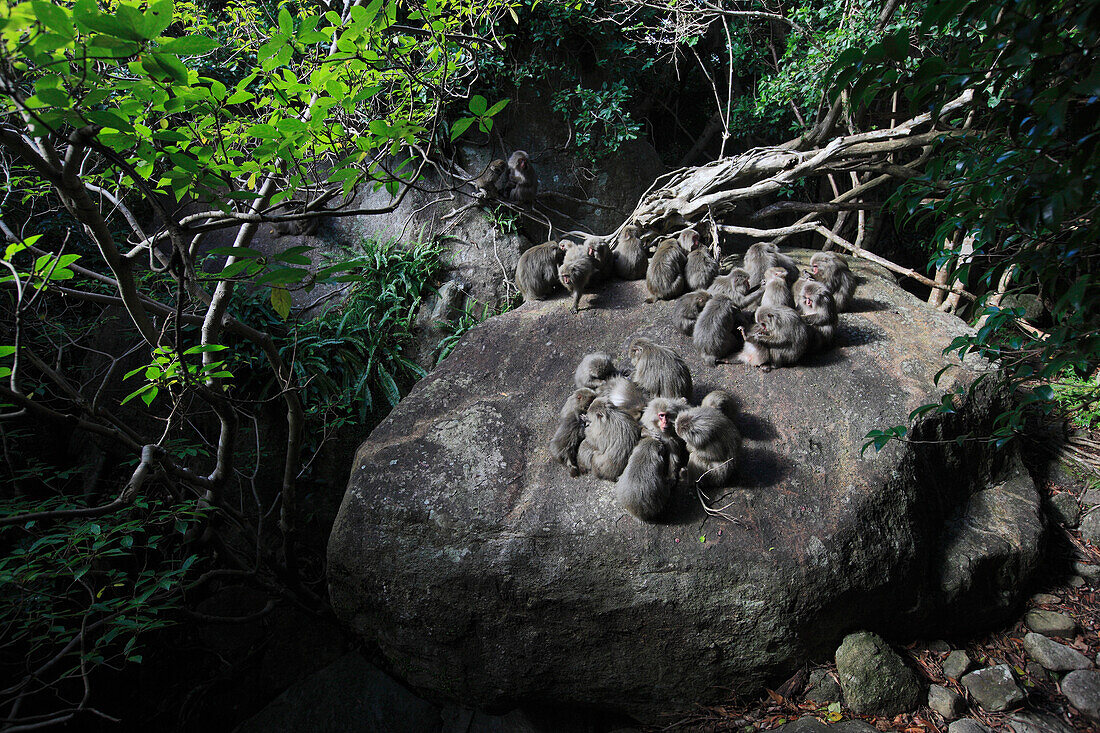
(775, 273)
(518, 160)
(583, 397)
(765, 319)
(660, 414)
(638, 347)
(816, 296)
(599, 410)
(740, 279)
(685, 424)
(690, 240)
(823, 264)
(699, 299)
(630, 231)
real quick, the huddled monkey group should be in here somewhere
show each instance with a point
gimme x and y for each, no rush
(636, 427)
(515, 180)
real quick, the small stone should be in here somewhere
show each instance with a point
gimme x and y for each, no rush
(956, 664)
(1049, 623)
(1091, 497)
(821, 687)
(1052, 655)
(1090, 527)
(947, 703)
(1090, 573)
(939, 646)
(994, 688)
(1035, 671)
(1025, 722)
(1082, 689)
(874, 678)
(1076, 581)
(1042, 598)
(1064, 509)
(967, 725)
(853, 726)
(806, 724)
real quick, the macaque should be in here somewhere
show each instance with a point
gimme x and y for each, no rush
(594, 370)
(575, 271)
(659, 421)
(624, 395)
(779, 338)
(570, 429)
(700, 269)
(689, 240)
(763, 255)
(608, 440)
(486, 183)
(537, 270)
(645, 486)
(819, 313)
(722, 401)
(715, 335)
(630, 255)
(832, 270)
(658, 369)
(602, 256)
(776, 291)
(713, 443)
(687, 310)
(523, 182)
(664, 277)
(736, 287)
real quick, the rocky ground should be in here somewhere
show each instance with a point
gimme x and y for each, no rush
(1039, 675)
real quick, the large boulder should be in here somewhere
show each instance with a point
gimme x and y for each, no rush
(485, 573)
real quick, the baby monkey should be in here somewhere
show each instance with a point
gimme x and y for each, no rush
(570, 429)
(658, 369)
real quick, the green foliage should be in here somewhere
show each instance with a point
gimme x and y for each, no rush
(1078, 399)
(601, 123)
(1023, 189)
(456, 328)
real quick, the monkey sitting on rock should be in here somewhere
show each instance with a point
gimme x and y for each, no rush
(658, 369)
(609, 439)
(537, 270)
(779, 338)
(569, 432)
(630, 255)
(687, 309)
(713, 441)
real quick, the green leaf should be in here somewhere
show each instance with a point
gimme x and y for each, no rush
(158, 17)
(280, 301)
(389, 387)
(478, 104)
(190, 45)
(461, 125)
(54, 17)
(286, 23)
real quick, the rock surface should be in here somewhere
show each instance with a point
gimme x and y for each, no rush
(1052, 655)
(485, 573)
(946, 702)
(994, 688)
(1037, 723)
(821, 687)
(874, 678)
(348, 696)
(1090, 527)
(1049, 623)
(967, 725)
(956, 665)
(1082, 689)
(1064, 509)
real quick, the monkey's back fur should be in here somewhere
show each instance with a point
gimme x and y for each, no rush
(537, 271)
(714, 446)
(715, 332)
(763, 255)
(664, 277)
(630, 257)
(594, 369)
(700, 269)
(779, 338)
(659, 370)
(832, 270)
(608, 440)
(645, 486)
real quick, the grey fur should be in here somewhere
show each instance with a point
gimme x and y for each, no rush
(687, 310)
(569, 431)
(714, 446)
(522, 183)
(594, 369)
(645, 486)
(776, 291)
(575, 272)
(832, 270)
(722, 401)
(608, 440)
(658, 369)
(779, 338)
(763, 255)
(624, 395)
(700, 270)
(819, 313)
(630, 255)
(537, 270)
(664, 277)
(715, 332)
